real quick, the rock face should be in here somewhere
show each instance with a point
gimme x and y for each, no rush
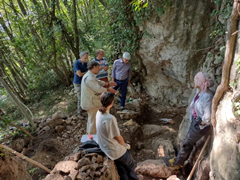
(169, 54)
(224, 159)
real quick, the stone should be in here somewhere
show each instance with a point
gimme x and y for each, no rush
(155, 168)
(173, 177)
(84, 168)
(59, 128)
(94, 159)
(163, 148)
(99, 159)
(53, 177)
(81, 176)
(94, 166)
(73, 175)
(84, 161)
(97, 173)
(128, 123)
(46, 128)
(73, 157)
(151, 130)
(66, 166)
(203, 170)
(18, 144)
(67, 178)
(128, 114)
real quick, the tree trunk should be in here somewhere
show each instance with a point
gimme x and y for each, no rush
(228, 58)
(19, 104)
(76, 35)
(20, 4)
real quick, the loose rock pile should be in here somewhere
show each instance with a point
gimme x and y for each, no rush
(81, 166)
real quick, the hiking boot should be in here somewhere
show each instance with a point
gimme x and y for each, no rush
(170, 162)
(80, 117)
(121, 108)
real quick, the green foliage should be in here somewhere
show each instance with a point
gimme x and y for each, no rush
(33, 170)
(237, 108)
(237, 62)
(223, 10)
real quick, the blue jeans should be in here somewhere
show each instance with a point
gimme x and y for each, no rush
(123, 85)
(125, 166)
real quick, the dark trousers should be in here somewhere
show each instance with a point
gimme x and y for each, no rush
(125, 166)
(186, 145)
(123, 85)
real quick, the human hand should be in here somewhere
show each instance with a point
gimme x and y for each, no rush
(105, 68)
(112, 83)
(111, 90)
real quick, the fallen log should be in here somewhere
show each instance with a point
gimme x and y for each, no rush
(25, 158)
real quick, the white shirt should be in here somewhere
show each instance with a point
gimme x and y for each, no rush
(202, 106)
(107, 129)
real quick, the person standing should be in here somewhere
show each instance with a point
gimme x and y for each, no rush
(121, 74)
(200, 114)
(90, 94)
(111, 141)
(103, 65)
(79, 69)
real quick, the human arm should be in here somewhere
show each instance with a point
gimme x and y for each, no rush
(120, 140)
(111, 90)
(80, 74)
(114, 71)
(96, 85)
(207, 109)
(106, 65)
(114, 133)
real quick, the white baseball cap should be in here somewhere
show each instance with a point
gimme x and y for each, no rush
(126, 55)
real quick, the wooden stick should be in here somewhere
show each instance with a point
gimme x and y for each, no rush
(25, 158)
(200, 155)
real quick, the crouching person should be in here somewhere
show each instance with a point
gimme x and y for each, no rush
(110, 140)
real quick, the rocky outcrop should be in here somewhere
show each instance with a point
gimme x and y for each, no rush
(170, 49)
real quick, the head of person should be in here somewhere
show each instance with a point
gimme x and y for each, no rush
(203, 81)
(107, 99)
(84, 56)
(93, 66)
(99, 54)
(126, 57)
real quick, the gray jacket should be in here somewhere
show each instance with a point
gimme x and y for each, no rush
(202, 107)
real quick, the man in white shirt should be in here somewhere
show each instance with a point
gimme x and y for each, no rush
(90, 94)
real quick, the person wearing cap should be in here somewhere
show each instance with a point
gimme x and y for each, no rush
(200, 114)
(79, 69)
(103, 65)
(91, 89)
(121, 74)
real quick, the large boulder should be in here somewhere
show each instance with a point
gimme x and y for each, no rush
(155, 168)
